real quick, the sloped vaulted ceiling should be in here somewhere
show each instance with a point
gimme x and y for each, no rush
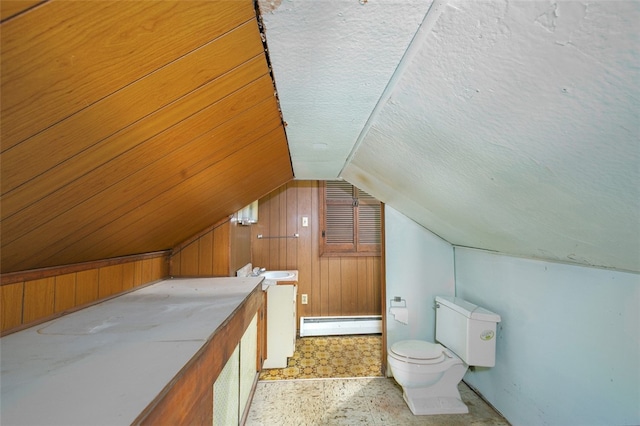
(127, 127)
(505, 125)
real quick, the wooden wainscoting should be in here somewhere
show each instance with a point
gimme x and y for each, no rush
(31, 297)
(334, 285)
(218, 251)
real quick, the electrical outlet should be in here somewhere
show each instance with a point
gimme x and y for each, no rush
(304, 299)
(305, 221)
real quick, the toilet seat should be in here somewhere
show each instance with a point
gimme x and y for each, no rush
(417, 352)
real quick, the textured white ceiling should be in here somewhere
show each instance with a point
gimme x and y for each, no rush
(332, 60)
(505, 125)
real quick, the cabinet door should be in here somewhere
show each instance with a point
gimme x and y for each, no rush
(225, 392)
(281, 326)
(248, 353)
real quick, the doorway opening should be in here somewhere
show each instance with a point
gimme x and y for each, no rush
(333, 281)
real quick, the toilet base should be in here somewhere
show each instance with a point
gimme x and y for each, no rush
(441, 398)
(435, 405)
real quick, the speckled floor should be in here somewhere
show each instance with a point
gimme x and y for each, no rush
(365, 401)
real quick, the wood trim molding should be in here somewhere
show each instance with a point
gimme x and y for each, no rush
(36, 274)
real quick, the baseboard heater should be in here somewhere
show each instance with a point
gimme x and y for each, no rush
(335, 326)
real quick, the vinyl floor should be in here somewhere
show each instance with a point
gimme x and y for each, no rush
(331, 357)
(336, 380)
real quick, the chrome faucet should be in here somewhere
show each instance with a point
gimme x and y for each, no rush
(258, 271)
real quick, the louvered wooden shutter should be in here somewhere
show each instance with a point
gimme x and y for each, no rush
(339, 216)
(368, 222)
(351, 222)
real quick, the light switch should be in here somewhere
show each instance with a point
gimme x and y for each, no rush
(304, 300)
(305, 221)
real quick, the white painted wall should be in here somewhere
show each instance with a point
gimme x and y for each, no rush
(568, 346)
(419, 267)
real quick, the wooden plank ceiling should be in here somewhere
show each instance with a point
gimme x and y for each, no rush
(127, 127)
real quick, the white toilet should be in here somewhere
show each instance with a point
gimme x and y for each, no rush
(429, 373)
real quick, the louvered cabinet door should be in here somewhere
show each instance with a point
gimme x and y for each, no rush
(350, 219)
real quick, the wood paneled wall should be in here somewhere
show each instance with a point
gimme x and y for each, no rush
(335, 285)
(26, 302)
(219, 251)
(128, 127)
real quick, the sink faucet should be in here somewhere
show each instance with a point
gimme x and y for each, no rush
(258, 271)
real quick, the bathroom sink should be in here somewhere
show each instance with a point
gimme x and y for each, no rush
(277, 275)
(273, 277)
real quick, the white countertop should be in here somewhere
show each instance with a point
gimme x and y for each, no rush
(106, 363)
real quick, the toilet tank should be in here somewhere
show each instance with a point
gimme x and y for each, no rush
(467, 329)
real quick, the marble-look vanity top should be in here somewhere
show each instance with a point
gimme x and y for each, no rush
(106, 363)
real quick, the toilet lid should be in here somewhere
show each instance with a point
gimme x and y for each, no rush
(418, 350)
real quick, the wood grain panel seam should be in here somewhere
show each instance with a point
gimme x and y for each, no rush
(23, 11)
(123, 210)
(177, 249)
(22, 302)
(105, 140)
(98, 75)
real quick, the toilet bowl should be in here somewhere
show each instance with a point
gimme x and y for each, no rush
(429, 373)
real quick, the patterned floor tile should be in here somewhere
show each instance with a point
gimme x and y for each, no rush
(330, 357)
